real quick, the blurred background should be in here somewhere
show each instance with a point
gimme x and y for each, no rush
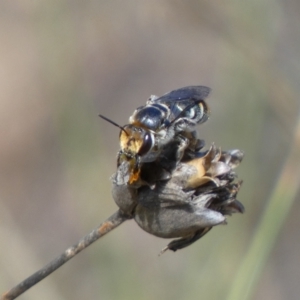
(64, 62)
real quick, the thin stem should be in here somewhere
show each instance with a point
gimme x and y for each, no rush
(111, 223)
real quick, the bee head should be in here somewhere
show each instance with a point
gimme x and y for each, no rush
(136, 140)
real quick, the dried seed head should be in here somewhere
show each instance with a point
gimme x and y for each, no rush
(195, 196)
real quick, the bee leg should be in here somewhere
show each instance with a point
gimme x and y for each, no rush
(184, 242)
(183, 145)
(184, 124)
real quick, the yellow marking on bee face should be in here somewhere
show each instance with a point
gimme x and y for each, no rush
(132, 141)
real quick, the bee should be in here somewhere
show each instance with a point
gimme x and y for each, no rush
(171, 116)
(151, 128)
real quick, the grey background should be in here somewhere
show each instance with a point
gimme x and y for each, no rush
(64, 62)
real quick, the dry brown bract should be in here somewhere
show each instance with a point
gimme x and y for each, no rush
(196, 196)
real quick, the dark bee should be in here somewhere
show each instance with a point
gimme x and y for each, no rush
(171, 117)
(187, 103)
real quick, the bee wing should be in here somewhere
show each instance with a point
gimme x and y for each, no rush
(185, 94)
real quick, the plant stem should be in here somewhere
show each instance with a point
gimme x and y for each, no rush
(111, 223)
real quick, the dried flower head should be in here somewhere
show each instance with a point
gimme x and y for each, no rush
(172, 188)
(195, 196)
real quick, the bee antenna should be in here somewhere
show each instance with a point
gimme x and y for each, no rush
(113, 123)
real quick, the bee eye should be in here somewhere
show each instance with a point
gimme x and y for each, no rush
(146, 145)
